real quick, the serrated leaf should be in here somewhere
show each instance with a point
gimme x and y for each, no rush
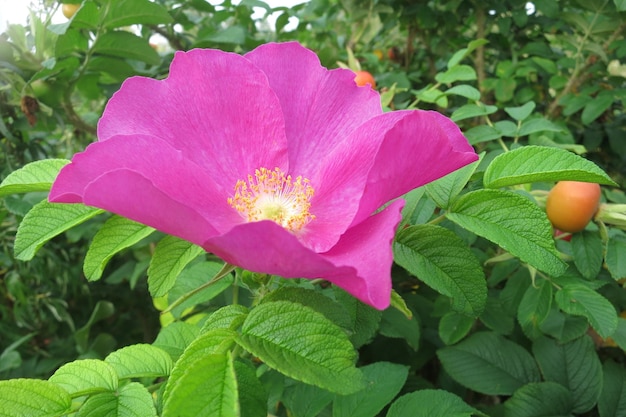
(540, 399)
(175, 337)
(170, 257)
(615, 260)
(35, 176)
(304, 400)
(33, 398)
(208, 387)
(534, 308)
(445, 189)
(522, 112)
(513, 222)
(253, 396)
(580, 300)
(612, 401)
(431, 403)
(541, 163)
(124, 44)
(302, 344)
(365, 319)
(396, 325)
(132, 400)
(587, 251)
(454, 326)
(384, 381)
(85, 377)
(445, 263)
(564, 327)
(45, 221)
(227, 317)
(135, 12)
(490, 364)
(575, 365)
(117, 234)
(140, 361)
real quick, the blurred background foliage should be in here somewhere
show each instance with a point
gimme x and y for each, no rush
(562, 62)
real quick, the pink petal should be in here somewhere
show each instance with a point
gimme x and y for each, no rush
(422, 147)
(169, 179)
(215, 107)
(321, 107)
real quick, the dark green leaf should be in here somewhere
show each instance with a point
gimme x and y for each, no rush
(540, 399)
(587, 250)
(135, 12)
(124, 44)
(615, 260)
(454, 327)
(534, 308)
(431, 403)
(397, 325)
(612, 402)
(580, 300)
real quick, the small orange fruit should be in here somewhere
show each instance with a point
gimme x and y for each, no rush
(572, 204)
(363, 77)
(69, 9)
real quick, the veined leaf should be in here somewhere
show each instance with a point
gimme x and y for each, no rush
(117, 234)
(135, 12)
(488, 363)
(580, 300)
(45, 221)
(124, 44)
(227, 317)
(132, 400)
(587, 250)
(141, 360)
(170, 257)
(431, 403)
(33, 398)
(303, 344)
(541, 163)
(85, 377)
(512, 221)
(612, 401)
(445, 189)
(175, 337)
(540, 399)
(35, 176)
(445, 263)
(534, 308)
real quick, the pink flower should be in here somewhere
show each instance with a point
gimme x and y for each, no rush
(268, 160)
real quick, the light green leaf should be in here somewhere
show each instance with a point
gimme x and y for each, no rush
(512, 221)
(444, 190)
(472, 110)
(490, 364)
(431, 403)
(482, 133)
(534, 308)
(170, 257)
(621, 6)
(454, 327)
(540, 399)
(456, 73)
(207, 387)
(135, 12)
(132, 400)
(175, 337)
(522, 112)
(45, 221)
(117, 234)
(538, 124)
(575, 365)
(124, 44)
(32, 398)
(445, 263)
(35, 176)
(384, 381)
(140, 361)
(302, 344)
(85, 377)
(540, 163)
(463, 90)
(587, 251)
(580, 300)
(612, 401)
(227, 317)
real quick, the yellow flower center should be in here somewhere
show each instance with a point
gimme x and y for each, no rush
(272, 195)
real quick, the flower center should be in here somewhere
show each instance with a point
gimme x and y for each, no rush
(272, 195)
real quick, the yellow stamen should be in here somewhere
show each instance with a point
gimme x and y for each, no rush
(272, 195)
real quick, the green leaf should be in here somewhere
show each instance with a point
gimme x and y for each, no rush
(615, 260)
(445, 189)
(117, 234)
(431, 403)
(456, 73)
(45, 221)
(175, 337)
(534, 308)
(575, 365)
(522, 112)
(364, 319)
(538, 124)
(513, 222)
(85, 377)
(580, 300)
(540, 399)
(396, 325)
(35, 176)
(135, 12)
(170, 257)
(32, 398)
(124, 44)
(384, 381)
(445, 263)
(587, 251)
(490, 364)
(621, 6)
(302, 344)
(132, 400)
(140, 361)
(228, 317)
(454, 327)
(482, 133)
(208, 387)
(304, 400)
(253, 396)
(540, 163)
(596, 107)
(564, 327)
(612, 401)
(463, 90)
(472, 110)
